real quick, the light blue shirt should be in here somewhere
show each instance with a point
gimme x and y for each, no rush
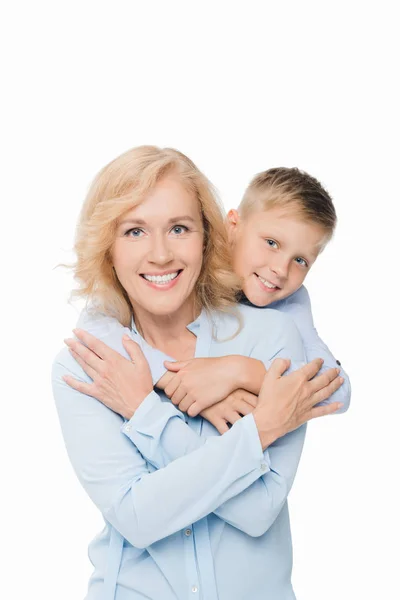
(189, 513)
(298, 306)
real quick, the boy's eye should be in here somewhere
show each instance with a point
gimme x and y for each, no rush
(301, 261)
(179, 229)
(271, 243)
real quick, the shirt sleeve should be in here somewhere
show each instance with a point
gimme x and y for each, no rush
(298, 306)
(160, 433)
(144, 504)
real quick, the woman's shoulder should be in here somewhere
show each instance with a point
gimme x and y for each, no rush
(101, 326)
(98, 323)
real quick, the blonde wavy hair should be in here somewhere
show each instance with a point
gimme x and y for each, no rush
(120, 186)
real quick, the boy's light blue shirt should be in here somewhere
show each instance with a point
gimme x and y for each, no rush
(298, 306)
(189, 513)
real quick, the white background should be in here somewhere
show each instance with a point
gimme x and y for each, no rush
(239, 87)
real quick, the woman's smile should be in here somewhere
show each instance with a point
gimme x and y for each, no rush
(162, 281)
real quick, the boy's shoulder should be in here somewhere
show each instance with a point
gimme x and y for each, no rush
(256, 322)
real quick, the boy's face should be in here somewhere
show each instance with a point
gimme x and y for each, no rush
(273, 250)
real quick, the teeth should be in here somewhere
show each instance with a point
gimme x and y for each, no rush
(267, 283)
(162, 279)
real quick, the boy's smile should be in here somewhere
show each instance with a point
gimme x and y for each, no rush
(273, 250)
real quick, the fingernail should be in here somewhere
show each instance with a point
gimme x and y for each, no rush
(126, 337)
(341, 379)
(338, 371)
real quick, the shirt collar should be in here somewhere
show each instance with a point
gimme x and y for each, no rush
(194, 326)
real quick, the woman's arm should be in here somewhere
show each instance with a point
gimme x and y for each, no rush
(144, 504)
(158, 430)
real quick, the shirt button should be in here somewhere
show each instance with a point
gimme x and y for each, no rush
(188, 532)
(127, 428)
(194, 589)
(263, 467)
(338, 363)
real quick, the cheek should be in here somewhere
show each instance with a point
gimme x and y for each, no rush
(254, 256)
(192, 255)
(125, 257)
(297, 276)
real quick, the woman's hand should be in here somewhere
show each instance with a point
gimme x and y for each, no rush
(201, 382)
(287, 402)
(119, 383)
(234, 407)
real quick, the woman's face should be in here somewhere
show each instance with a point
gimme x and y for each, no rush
(158, 251)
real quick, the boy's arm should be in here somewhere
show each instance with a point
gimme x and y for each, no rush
(298, 306)
(242, 372)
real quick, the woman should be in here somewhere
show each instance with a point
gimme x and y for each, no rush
(188, 513)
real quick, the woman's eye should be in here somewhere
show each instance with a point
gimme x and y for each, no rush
(135, 232)
(271, 243)
(301, 261)
(179, 229)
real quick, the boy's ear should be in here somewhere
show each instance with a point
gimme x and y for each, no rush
(232, 222)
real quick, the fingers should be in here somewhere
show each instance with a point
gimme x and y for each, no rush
(178, 395)
(249, 398)
(132, 348)
(311, 369)
(244, 408)
(79, 386)
(172, 386)
(232, 417)
(186, 403)
(87, 368)
(96, 345)
(86, 354)
(324, 380)
(194, 409)
(322, 411)
(175, 366)
(327, 391)
(278, 367)
(221, 425)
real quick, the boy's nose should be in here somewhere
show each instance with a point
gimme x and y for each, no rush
(281, 269)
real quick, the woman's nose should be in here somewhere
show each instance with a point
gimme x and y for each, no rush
(160, 251)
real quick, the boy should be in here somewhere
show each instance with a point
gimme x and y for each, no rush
(283, 222)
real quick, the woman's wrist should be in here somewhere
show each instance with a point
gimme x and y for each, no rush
(133, 405)
(268, 434)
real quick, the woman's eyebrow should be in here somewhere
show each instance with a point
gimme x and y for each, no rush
(170, 221)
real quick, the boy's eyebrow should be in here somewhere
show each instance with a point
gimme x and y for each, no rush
(170, 221)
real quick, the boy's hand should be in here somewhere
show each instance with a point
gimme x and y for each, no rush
(200, 382)
(238, 404)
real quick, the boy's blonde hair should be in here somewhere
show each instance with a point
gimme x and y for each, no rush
(122, 185)
(290, 187)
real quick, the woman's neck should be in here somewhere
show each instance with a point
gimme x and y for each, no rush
(168, 333)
